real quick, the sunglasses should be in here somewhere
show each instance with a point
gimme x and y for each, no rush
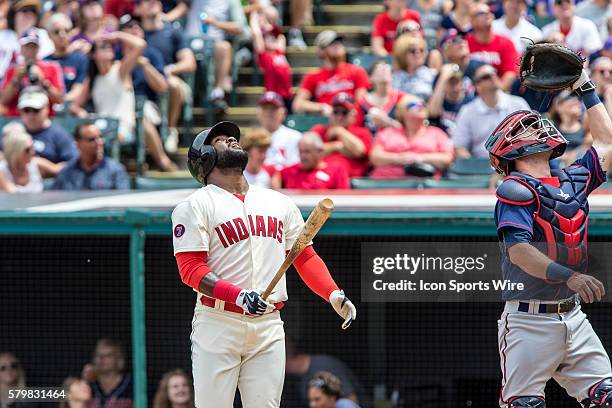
(14, 365)
(340, 112)
(59, 31)
(409, 29)
(484, 78)
(415, 51)
(30, 110)
(103, 46)
(27, 10)
(560, 2)
(415, 105)
(604, 71)
(91, 139)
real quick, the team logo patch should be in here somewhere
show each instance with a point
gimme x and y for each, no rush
(179, 230)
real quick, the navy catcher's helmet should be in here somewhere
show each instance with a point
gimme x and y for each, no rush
(202, 157)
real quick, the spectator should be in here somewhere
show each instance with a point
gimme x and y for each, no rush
(269, 46)
(256, 143)
(448, 97)
(22, 16)
(312, 173)
(300, 12)
(477, 119)
(74, 64)
(51, 141)
(271, 114)
(109, 82)
(345, 143)
(110, 385)
(78, 393)
(456, 51)
(91, 170)
(175, 390)
(567, 114)
(12, 376)
(325, 391)
(459, 18)
(149, 80)
(21, 171)
(413, 29)
(90, 25)
(414, 143)
(223, 20)
(175, 10)
(376, 109)
(412, 75)
(599, 12)
(385, 24)
(31, 71)
(319, 87)
(515, 26)
(178, 60)
(580, 34)
(606, 51)
(601, 74)
(490, 48)
(432, 12)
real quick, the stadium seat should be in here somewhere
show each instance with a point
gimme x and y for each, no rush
(366, 60)
(471, 167)
(164, 183)
(303, 122)
(469, 182)
(380, 184)
(541, 21)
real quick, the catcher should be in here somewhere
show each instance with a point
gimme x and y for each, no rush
(229, 240)
(541, 217)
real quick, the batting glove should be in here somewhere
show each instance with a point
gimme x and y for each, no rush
(252, 303)
(344, 307)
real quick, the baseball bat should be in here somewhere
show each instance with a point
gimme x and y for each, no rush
(313, 224)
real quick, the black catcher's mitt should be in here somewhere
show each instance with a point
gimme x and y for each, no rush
(550, 67)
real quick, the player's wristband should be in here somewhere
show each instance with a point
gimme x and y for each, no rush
(590, 98)
(225, 291)
(558, 272)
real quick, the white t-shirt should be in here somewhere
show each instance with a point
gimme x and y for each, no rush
(523, 29)
(35, 184)
(246, 241)
(9, 47)
(261, 179)
(583, 35)
(284, 149)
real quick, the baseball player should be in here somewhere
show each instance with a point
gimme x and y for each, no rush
(541, 217)
(229, 240)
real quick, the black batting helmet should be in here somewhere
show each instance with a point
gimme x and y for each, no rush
(202, 157)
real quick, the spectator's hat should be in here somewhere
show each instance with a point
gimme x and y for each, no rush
(271, 98)
(30, 37)
(21, 4)
(326, 38)
(345, 100)
(608, 44)
(33, 97)
(450, 35)
(128, 21)
(85, 2)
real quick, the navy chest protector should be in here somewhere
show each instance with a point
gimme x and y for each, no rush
(561, 214)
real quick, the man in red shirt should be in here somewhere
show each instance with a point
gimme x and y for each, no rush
(385, 25)
(344, 143)
(490, 48)
(319, 87)
(311, 173)
(31, 71)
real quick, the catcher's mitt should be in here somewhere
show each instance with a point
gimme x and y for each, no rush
(550, 67)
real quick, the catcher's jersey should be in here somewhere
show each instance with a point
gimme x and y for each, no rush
(246, 241)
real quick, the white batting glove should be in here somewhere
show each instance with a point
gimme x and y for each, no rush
(344, 307)
(252, 303)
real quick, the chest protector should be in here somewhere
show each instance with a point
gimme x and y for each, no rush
(561, 215)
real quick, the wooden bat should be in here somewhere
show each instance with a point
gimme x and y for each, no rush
(313, 224)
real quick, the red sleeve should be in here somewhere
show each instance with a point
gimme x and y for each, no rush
(264, 60)
(509, 57)
(342, 178)
(377, 26)
(361, 78)
(309, 83)
(192, 267)
(57, 78)
(320, 130)
(314, 273)
(365, 136)
(8, 76)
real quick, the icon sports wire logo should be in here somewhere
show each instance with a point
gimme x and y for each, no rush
(414, 264)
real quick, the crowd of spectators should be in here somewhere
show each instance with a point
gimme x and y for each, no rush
(441, 75)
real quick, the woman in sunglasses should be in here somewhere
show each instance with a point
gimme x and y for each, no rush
(411, 28)
(412, 75)
(12, 376)
(20, 172)
(325, 391)
(567, 114)
(412, 145)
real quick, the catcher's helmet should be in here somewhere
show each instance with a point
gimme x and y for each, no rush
(202, 157)
(520, 134)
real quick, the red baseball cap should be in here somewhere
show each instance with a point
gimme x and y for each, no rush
(345, 100)
(271, 98)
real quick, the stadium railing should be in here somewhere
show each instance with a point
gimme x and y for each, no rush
(303, 122)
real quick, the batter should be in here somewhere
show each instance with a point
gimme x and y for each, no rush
(541, 216)
(229, 240)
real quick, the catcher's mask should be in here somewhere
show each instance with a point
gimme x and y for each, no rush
(521, 134)
(202, 157)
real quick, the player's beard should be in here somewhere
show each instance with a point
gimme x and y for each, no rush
(232, 159)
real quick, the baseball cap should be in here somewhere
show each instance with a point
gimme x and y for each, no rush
(345, 100)
(326, 38)
(271, 98)
(450, 35)
(127, 21)
(33, 97)
(608, 45)
(223, 128)
(21, 4)
(30, 37)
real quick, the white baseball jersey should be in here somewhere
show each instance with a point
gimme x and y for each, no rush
(246, 241)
